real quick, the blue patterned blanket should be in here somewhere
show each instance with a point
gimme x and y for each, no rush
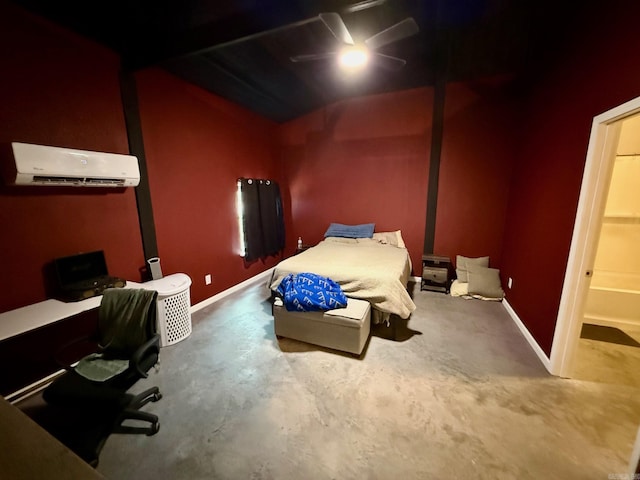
(308, 292)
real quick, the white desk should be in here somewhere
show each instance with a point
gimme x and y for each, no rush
(38, 315)
(25, 319)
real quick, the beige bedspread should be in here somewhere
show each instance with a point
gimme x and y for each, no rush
(363, 268)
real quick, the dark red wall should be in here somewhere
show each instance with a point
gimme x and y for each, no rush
(597, 71)
(197, 145)
(59, 89)
(367, 160)
(360, 161)
(475, 170)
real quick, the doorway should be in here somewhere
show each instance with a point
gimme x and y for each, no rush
(599, 170)
(609, 346)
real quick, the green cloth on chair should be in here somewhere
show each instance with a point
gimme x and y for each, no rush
(124, 325)
(99, 369)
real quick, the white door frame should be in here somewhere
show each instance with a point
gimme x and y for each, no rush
(605, 131)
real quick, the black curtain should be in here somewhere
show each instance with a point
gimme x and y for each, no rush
(263, 218)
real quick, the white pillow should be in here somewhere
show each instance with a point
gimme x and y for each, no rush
(340, 240)
(459, 289)
(463, 264)
(390, 238)
(485, 282)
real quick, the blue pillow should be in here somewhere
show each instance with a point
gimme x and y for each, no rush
(350, 231)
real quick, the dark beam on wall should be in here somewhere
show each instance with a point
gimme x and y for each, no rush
(434, 163)
(440, 88)
(136, 147)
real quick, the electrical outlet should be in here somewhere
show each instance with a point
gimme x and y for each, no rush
(207, 279)
(510, 283)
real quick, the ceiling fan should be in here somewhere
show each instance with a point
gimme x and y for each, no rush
(360, 53)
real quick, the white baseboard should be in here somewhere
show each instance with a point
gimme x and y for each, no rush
(527, 335)
(229, 291)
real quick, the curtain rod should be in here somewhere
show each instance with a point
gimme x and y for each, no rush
(267, 180)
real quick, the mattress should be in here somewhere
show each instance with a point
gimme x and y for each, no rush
(364, 269)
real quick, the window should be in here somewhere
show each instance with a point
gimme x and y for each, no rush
(260, 218)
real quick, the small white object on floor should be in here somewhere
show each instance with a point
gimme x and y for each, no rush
(461, 289)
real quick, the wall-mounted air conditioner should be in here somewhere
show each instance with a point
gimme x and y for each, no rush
(44, 165)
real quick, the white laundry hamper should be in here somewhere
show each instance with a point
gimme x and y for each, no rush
(173, 315)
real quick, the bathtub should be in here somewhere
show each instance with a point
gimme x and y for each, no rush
(611, 302)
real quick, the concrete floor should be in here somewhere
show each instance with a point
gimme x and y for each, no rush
(609, 362)
(462, 395)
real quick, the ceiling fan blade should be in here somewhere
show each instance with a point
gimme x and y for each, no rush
(312, 56)
(356, 7)
(400, 30)
(387, 62)
(334, 23)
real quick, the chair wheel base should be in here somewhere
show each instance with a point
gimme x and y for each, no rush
(154, 429)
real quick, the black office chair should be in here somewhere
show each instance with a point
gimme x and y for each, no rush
(90, 401)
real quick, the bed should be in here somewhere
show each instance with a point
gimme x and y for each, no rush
(363, 267)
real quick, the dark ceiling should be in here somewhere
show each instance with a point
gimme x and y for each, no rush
(242, 49)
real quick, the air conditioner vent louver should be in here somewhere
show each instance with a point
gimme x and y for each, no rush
(89, 182)
(48, 180)
(104, 181)
(43, 165)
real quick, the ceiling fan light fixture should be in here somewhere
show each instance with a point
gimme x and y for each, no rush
(353, 58)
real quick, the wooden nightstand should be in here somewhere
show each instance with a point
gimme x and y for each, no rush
(436, 273)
